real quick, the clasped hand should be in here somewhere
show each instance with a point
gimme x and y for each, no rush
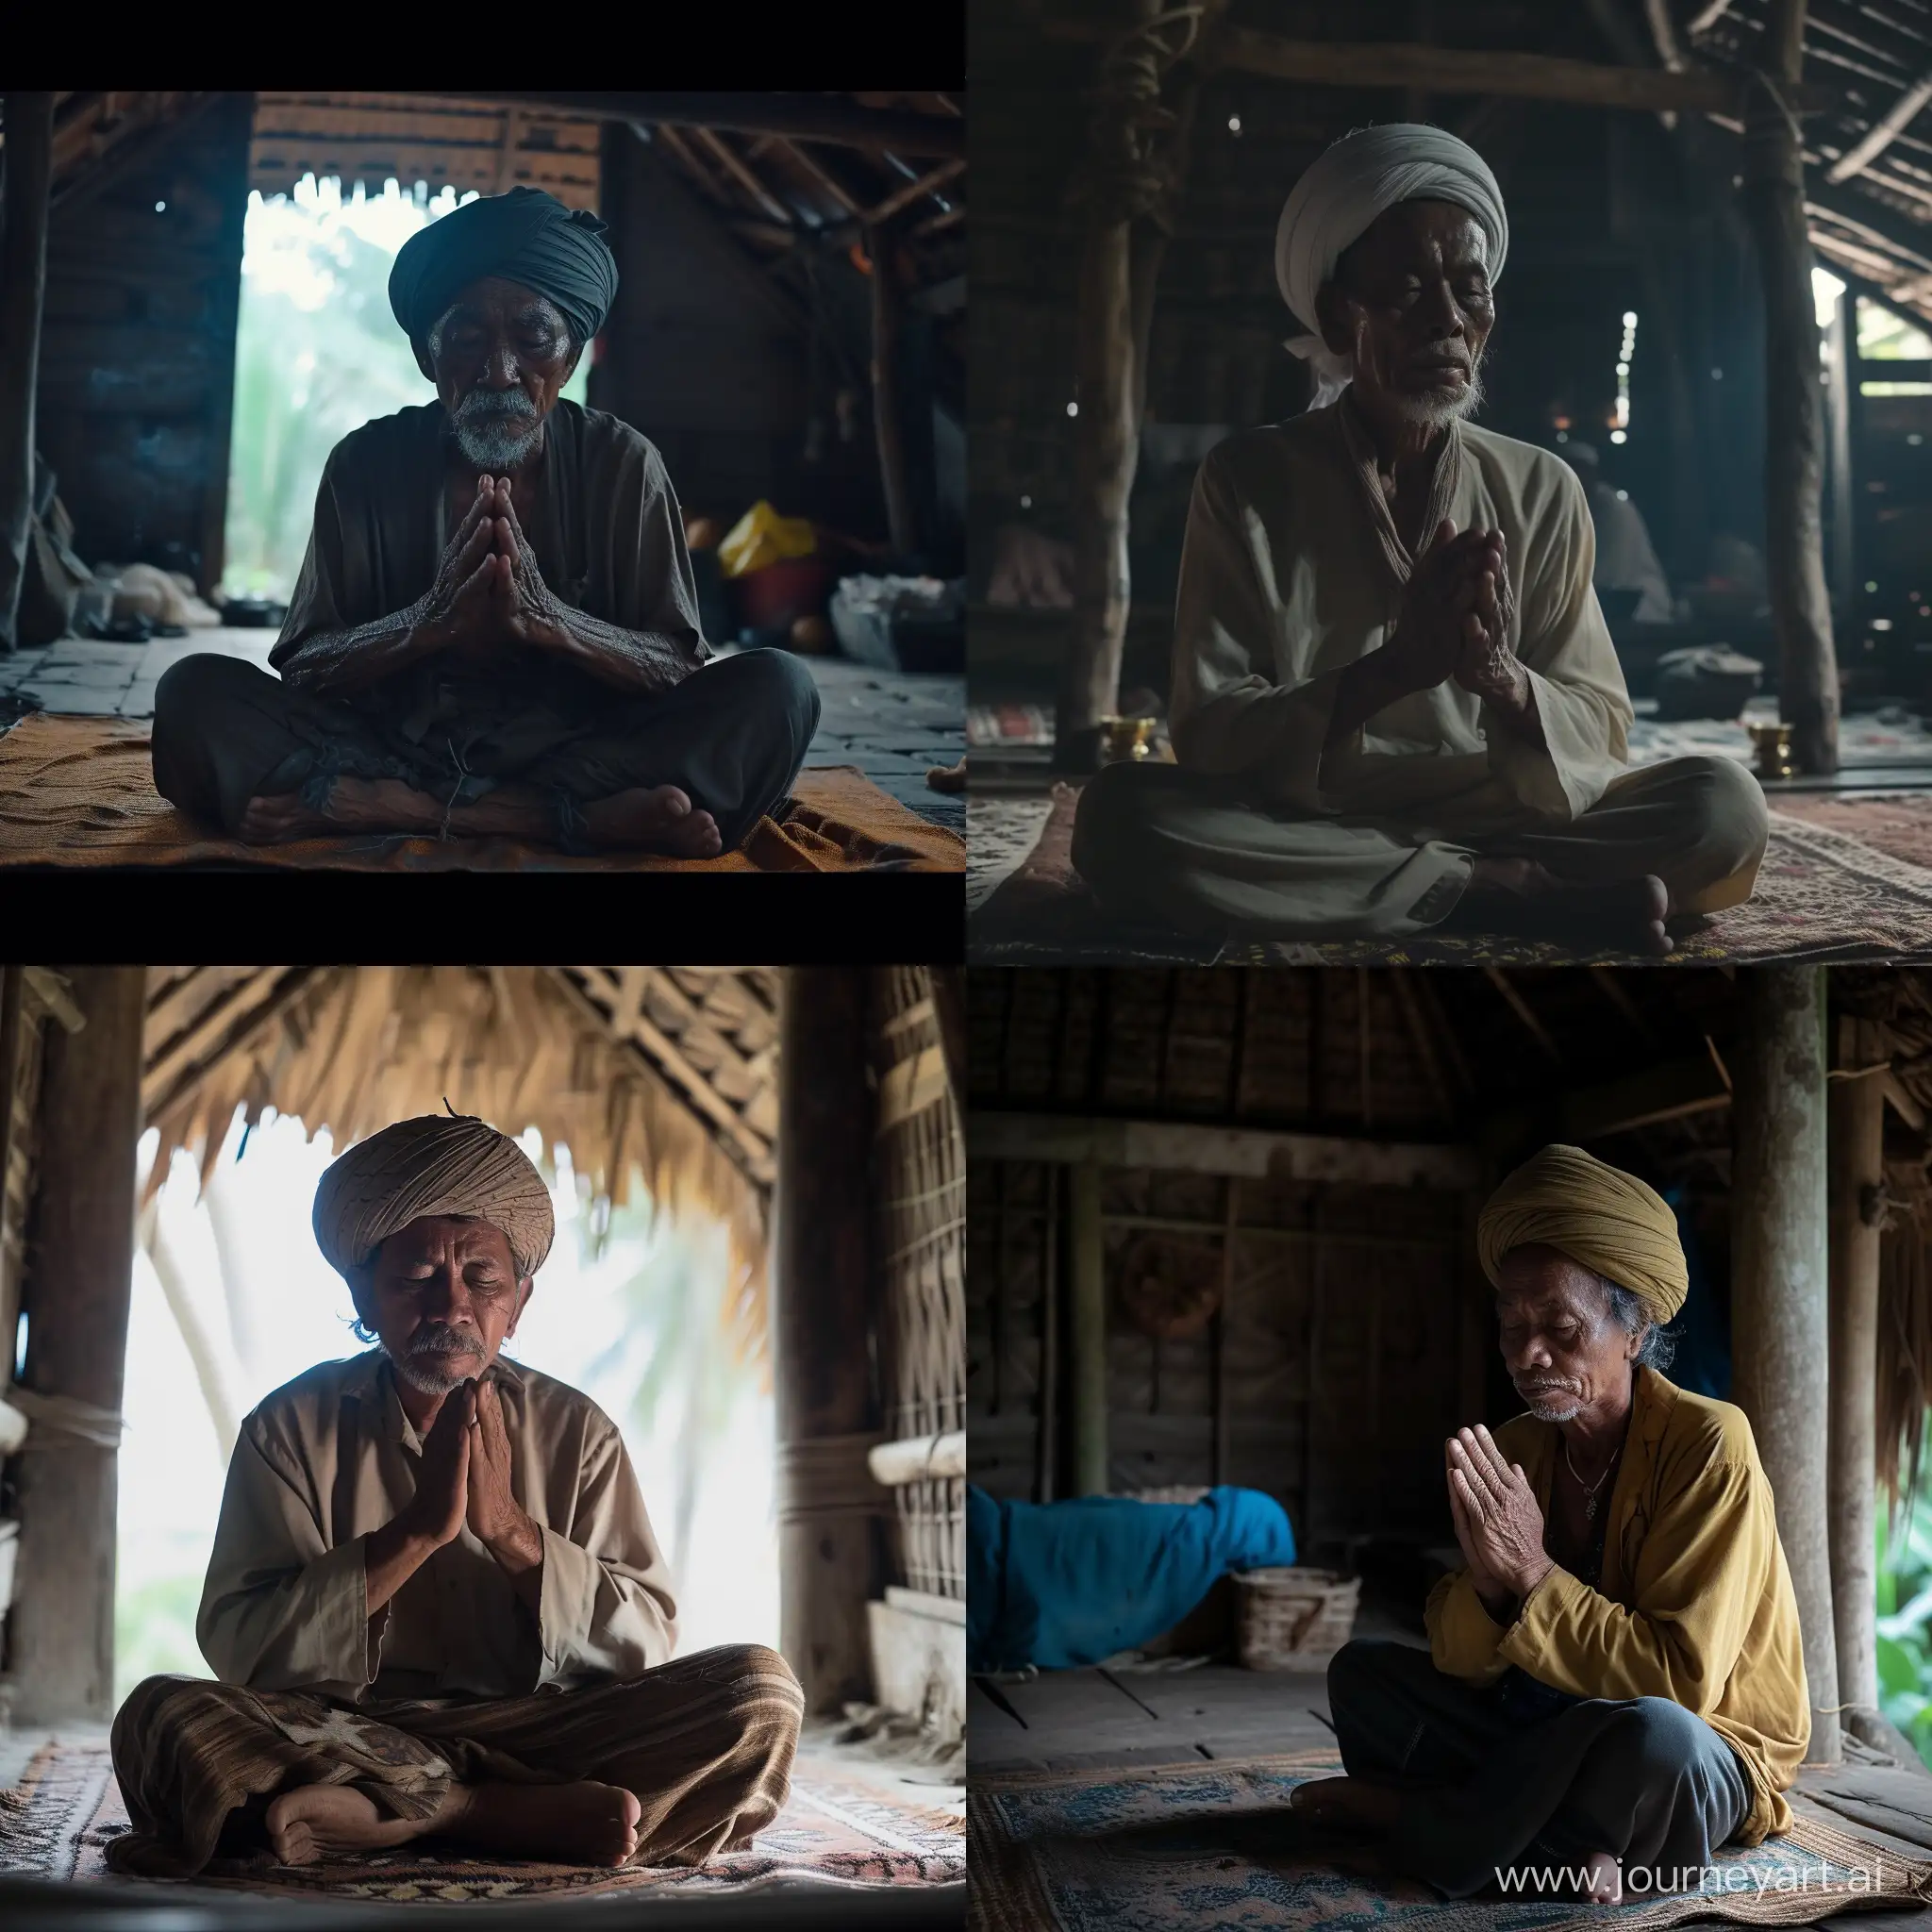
(466, 1473)
(489, 595)
(1454, 621)
(1497, 1522)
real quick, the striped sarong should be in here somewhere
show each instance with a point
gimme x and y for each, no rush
(705, 1743)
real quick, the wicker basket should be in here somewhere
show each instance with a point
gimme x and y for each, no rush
(1293, 1619)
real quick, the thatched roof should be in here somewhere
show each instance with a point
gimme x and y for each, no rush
(667, 1072)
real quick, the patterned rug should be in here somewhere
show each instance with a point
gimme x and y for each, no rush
(1202, 1848)
(57, 1821)
(1823, 893)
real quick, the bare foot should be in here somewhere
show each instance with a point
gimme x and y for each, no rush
(1521, 895)
(1351, 1804)
(659, 817)
(314, 1822)
(355, 804)
(583, 1824)
(1605, 1878)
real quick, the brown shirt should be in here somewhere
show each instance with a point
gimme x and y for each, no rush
(609, 541)
(331, 1456)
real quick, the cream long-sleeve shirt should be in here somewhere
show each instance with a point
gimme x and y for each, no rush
(331, 1456)
(1293, 570)
(1694, 1604)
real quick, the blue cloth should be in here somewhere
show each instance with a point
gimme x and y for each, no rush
(1062, 1584)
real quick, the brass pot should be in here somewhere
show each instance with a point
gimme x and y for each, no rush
(1127, 738)
(1773, 742)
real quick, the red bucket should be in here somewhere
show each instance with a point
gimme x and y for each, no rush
(772, 598)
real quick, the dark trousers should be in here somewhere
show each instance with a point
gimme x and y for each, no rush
(1522, 1775)
(732, 737)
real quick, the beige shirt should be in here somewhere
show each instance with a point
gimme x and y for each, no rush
(331, 1456)
(1293, 570)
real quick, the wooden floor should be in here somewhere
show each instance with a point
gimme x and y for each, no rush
(1098, 1718)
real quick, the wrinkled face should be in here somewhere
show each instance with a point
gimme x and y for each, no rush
(499, 357)
(1411, 300)
(1564, 1349)
(443, 1296)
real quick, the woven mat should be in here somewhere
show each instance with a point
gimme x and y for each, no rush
(1823, 893)
(57, 1821)
(79, 792)
(1203, 1848)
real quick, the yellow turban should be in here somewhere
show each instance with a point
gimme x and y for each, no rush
(1601, 1217)
(436, 1164)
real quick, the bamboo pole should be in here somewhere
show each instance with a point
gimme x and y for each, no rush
(1858, 1178)
(1780, 1329)
(1086, 1329)
(1774, 198)
(830, 1539)
(22, 293)
(61, 1632)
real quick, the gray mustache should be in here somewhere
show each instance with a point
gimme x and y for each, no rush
(482, 403)
(442, 1340)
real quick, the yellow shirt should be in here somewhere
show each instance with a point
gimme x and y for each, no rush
(1694, 1604)
(331, 1456)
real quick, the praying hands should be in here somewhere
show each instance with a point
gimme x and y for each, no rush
(1497, 1522)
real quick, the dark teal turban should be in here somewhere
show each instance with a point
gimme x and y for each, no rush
(525, 236)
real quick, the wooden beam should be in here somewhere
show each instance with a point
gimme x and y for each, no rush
(22, 293)
(824, 178)
(1883, 131)
(1463, 71)
(1774, 199)
(822, 1331)
(1671, 1091)
(908, 193)
(1856, 1116)
(178, 1065)
(887, 429)
(1525, 1012)
(1086, 1329)
(1249, 1153)
(734, 165)
(1780, 1303)
(62, 1628)
(809, 117)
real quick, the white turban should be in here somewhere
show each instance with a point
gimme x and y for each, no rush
(1340, 197)
(433, 1165)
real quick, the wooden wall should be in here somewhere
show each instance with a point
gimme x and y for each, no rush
(707, 357)
(138, 352)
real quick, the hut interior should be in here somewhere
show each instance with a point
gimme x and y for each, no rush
(1221, 1231)
(807, 1116)
(1631, 317)
(788, 331)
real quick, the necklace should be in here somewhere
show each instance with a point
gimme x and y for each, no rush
(1589, 1493)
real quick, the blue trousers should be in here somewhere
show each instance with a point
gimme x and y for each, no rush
(1520, 1775)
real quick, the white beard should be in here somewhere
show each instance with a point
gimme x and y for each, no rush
(1437, 412)
(1557, 1406)
(494, 438)
(434, 1372)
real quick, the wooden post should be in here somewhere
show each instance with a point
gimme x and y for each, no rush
(1841, 346)
(1086, 1329)
(822, 1322)
(885, 392)
(1118, 187)
(30, 159)
(1858, 1175)
(1048, 1445)
(1794, 404)
(1780, 1330)
(62, 1626)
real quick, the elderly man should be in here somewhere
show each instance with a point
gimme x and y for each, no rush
(435, 1604)
(495, 630)
(1615, 1684)
(1394, 699)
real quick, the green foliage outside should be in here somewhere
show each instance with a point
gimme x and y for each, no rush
(153, 1632)
(317, 353)
(1904, 1618)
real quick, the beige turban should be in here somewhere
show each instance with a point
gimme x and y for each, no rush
(437, 1164)
(1598, 1215)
